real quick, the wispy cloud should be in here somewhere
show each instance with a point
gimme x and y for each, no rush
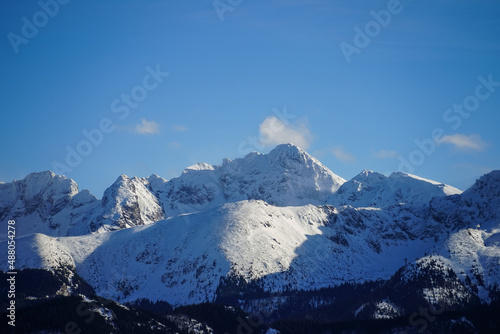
(147, 127)
(179, 128)
(274, 131)
(463, 142)
(385, 154)
(341, 154)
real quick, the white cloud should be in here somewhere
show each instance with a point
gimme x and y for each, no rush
(147, 127)
(273, 131)
(179, 128)
(384, 154)
(342, 154)
(463, 142)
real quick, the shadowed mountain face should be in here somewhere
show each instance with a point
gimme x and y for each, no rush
(270, 223)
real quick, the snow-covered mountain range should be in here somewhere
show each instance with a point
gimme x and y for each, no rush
(51, 204)
(273, 222)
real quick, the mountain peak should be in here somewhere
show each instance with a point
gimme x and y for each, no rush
(495, 174)
(48, 182)
(199, 166)
(156, 181)
(47, 173)
(45, 177)
(285, 176)
(487, 185)
(128, 202)
(493, 177)
(288, 150)
(287, 147)
(369, 175)
(291, 157)
(121, 178)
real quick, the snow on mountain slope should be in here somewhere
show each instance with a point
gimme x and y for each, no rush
(472, 248)
(43, 252)
(236, 223)
(474, 254)
(470, 225)
(42, 202)
(435, 280)
(44, 191)
(182, 260)
(285, 176)
(372, 189)
(477, 205)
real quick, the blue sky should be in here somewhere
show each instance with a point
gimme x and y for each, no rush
(161, 85)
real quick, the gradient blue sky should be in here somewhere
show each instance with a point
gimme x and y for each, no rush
(270, 71)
